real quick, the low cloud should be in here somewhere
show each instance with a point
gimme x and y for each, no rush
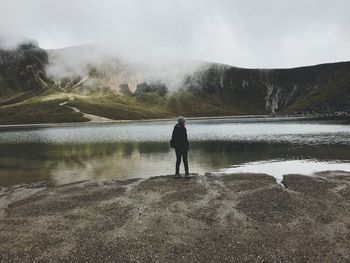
(100, 67)
(249, 33)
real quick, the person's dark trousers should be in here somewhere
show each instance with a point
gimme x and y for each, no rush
(181, 153)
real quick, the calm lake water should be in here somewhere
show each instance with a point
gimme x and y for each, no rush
(64, 154)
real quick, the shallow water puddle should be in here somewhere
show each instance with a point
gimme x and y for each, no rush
(278, 168)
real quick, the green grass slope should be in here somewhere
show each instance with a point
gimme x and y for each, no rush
(46, 107)
(335, 96)
(153, 105)
(41, 109)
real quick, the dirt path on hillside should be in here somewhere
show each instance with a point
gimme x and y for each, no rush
(91, 117)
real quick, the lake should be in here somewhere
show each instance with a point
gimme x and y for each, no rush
(63, 154)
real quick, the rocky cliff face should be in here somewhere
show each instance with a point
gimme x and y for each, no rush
(321, 88)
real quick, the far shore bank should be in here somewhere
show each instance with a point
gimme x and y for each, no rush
(238, 117)
(207, 218)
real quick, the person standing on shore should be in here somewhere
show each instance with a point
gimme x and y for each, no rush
(180, 142)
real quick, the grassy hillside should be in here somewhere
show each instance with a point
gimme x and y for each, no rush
(106, 104)
(40, 109)
(46, 108)
(153, 105)
(335, 95)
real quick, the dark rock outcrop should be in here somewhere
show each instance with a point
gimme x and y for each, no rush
(156, 87)
(124, 89)
(22, 69)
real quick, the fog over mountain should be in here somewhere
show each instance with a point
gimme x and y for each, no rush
(249, 33)
(90, 62)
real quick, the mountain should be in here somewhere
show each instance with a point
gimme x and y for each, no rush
(83, 83)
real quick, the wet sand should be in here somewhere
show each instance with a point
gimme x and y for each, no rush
(210, 218)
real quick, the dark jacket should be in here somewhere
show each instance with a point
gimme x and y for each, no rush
(179, 138)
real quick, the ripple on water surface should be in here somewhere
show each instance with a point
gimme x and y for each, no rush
(293, 132)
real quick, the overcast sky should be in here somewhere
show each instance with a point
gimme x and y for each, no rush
(245, 33)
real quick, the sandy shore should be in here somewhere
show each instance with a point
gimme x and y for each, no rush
(225, 218)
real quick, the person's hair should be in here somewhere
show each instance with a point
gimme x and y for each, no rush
(181, 120)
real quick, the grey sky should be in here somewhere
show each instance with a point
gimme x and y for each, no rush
(245, 33)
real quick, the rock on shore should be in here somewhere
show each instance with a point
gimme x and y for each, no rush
(211, 218)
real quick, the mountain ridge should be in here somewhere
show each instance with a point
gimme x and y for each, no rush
(37, 86)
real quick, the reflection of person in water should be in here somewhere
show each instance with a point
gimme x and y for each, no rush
(180, 143)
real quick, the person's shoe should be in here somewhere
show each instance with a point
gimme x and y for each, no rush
(177, 175)
(187, 175)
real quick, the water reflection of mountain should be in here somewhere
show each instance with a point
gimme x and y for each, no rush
(66, 163)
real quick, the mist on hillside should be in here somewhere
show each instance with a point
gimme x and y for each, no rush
(98, 67)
